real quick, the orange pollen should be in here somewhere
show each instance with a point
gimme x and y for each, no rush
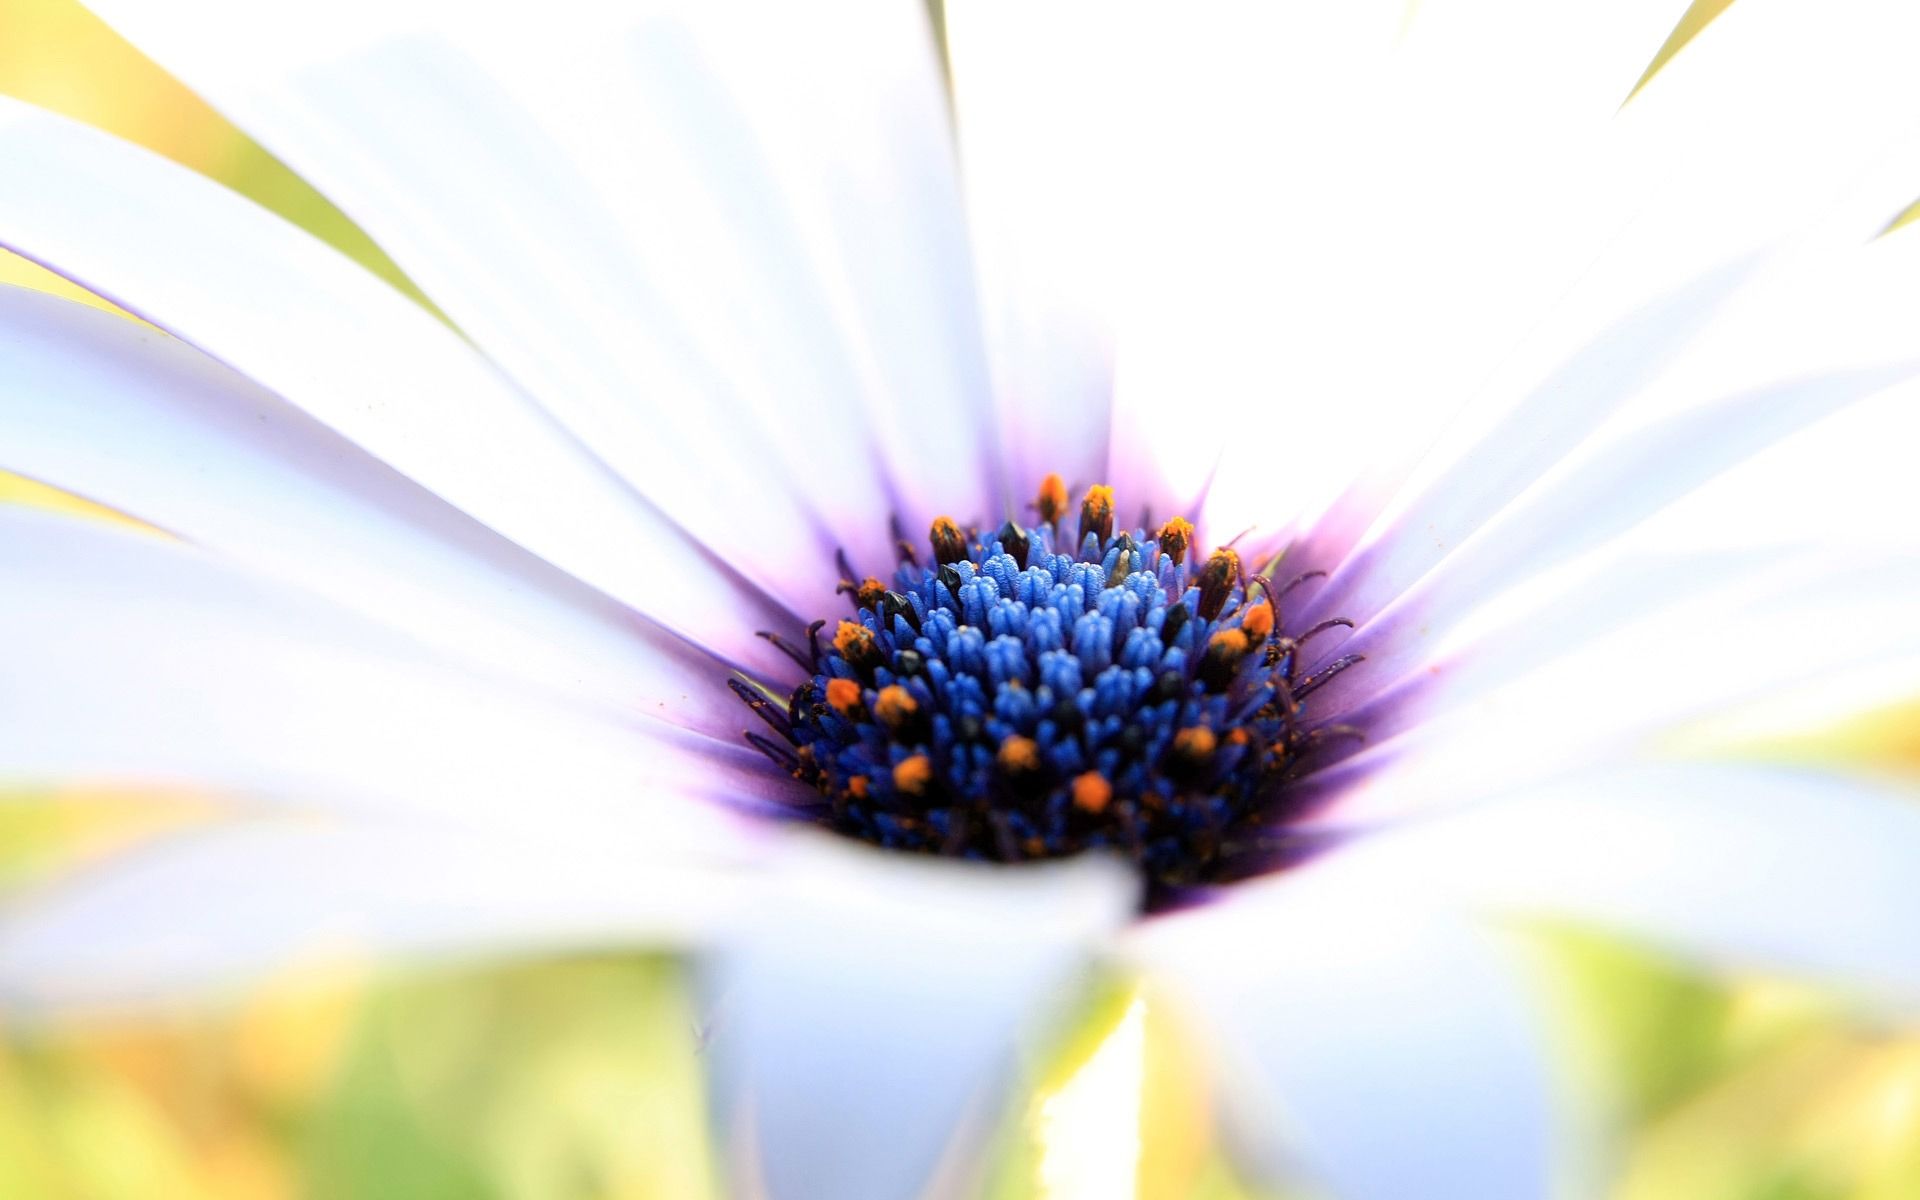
(1096, 512)
(1052, 500)
(894, 705)
(868, 594)
(843, 695)
(1216, 581)
(854, 641)
(1019, 754)
(1258, 621)
(1175, 536)
(1091, 792)
(1229, 641)
(949, 544)
(912, 775)
(1194, 742)
(857, 786)
(1224, 563)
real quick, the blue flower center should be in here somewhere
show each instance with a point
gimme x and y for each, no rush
(1037, 691)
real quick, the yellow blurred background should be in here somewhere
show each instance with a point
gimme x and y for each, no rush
(579, 1078)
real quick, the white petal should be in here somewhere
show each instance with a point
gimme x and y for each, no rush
(1611, 490)
(102, 408)
(1151, 195)
(1042, 98)
(1800, 344)
(1622, 483)
(703, 228)
(1376, 222)
(1685, 477)
(1754, 868)
(1729, 154)
(1566, 683)
(1567, 407)
(290, 313)
(870, 1006)
(1746, 150)
(1377, 1050)
(1723, 156)
(199, 912)
(135, 660)
(1574, 67)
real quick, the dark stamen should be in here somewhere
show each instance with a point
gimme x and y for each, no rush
(1313, 682)
(1015, 542)
(783, 757)
(1297, 580)
(764, 708)
(781, 644)
(1322, 627)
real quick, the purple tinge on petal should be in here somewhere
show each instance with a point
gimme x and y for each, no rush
(1620, 485)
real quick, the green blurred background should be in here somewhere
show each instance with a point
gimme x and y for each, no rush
(580, 1077)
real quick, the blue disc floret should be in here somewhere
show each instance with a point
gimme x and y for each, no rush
(1037, 691)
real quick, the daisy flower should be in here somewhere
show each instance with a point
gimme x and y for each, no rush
(1261, 499)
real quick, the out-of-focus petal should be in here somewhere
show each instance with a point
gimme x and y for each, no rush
(285, 310)
(1754, 868)
(147, 425)
(140, 661)
(1369, 1046)
(193, 915)
(683, 228)
(867, 1014)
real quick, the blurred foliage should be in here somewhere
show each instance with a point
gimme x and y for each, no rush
(580, 1077)
(1723, 1089)
(575, 1078)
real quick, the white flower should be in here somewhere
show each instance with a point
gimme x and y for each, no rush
(1550, 386)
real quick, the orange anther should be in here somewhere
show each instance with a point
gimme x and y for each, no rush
(949, 544)
(912, 775)
(894, 705)
(1195, 742)
(1175, 536)
(1096, 512)
(1052, 501)
(855, 643)
(1258, 621)
(1019, 753)
(1216, 582)
(1091, 792)
(843, 696)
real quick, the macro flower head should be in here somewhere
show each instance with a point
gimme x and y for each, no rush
(1261, 500)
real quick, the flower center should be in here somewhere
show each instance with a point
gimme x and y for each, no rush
(1038, 691)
